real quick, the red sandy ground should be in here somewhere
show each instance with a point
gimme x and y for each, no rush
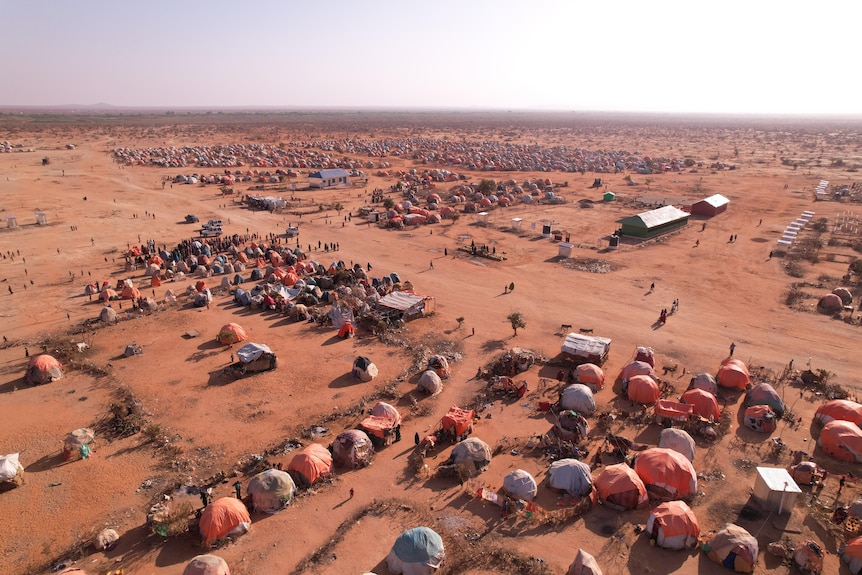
(729, 292)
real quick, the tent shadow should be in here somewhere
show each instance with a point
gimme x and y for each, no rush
(346, 380)
(334, 339)
(15, 384)
(492, 345)
(218, 378)
(381, 567)
(211, 344)
(641, 554)
(45, 463)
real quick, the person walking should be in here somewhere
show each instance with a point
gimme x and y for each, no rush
(351, 493)
(732, 347)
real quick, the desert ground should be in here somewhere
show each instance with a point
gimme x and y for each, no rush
(728, 292)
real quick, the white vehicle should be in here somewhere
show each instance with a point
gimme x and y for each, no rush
(292, 232)
(212, 224)
(211, 232)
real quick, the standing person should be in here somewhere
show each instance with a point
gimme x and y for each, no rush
(237, 489)
(205, 497)
(431, 264)
(732, 347)
(351, 493)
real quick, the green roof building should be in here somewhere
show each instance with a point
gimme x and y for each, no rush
(654, 222)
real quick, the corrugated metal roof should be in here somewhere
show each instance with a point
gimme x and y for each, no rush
(716, 201)
(778, 479)
(585, 345)
(333, 173)
(655, 218)
(400, 300)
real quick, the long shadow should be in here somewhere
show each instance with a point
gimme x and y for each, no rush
(45, 463)
(641, 554)
(346, 380)
(13, 385)
(492, 345)
(211, 344)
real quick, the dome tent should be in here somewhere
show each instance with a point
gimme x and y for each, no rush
(224, 516)
(733, 373)
(440, 365)
(619, 486)
(571, 476)
(43, 368)
(310, 465)
(417, 551)
(679, 440)
(473, 455)
(842, 440)
(760, 418)
(106, 539)
(578, 397)
(231, 333)
(666, 473)
(705, 382)
(584, 564)
(352, 448)
(851, 554)
(673, 526)
(364, 369)
(520, 485)
(839, 409)
(733, 547)
(703, 402)
(430, 382)
(271, 490)
(765, 394)
(643, 389)
(590, 374)
(635, 368)
(830, 303)
(207, 565)
(108, 314)
(10, 468)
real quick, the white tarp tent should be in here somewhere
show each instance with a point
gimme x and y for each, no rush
(252, 351)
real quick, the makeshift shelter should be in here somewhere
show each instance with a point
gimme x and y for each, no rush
(383, 425)
(760, 418)
(584, 564)
(520, 485)
(635, 368)
(643, 389)
(352, 449)
(653, 223)
(570, 426)
(108, 295)
(223, 517)
(620, 486)
(666, 473)
(808, 557)
(711, 206)
(440, 365)
(733, 547)
(673, 525)
(765, 394)
(586, 348)
(133, 349)
(130, 292)
(457, 423)
(805, 473)
(842, 440)
(10, 468)
(679, 440)
(256, 357)
(106, 539)
(590, 374)
(703, 403)
(667, 411)
(231, 333)
(430, 382)
(79, 441)
(733, 373)
(207, 565)
(775, 489)
(417, 551)
(705, 382)
(108, 315)
(403, 305)
(578, 397)
(363, 369)
(346, 330)
(845, 295)
(830, 303)
(851, 554)
(472, 455)
(202, 299)
(571, 476)
(839, 409)
(43, 368)
(271, 490)
(646, 355)
(310, 465)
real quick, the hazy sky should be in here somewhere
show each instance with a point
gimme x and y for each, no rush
(728, 56)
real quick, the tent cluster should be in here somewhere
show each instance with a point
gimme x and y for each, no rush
(835, 301)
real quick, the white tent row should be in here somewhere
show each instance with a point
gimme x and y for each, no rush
(783, 242)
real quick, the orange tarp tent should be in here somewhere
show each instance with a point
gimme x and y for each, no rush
(667, 473)
(620, 485)
(221, 517)
(733, 373)
(231, 333)
(703, 403)
(590, 373)
(840, 409)
(636, 368)
(842, 440)
(311, 464)
(673, 525)
(461, 420)
(130, 292)
(643, 389)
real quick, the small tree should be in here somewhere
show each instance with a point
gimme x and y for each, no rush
(517, 320)
(460, 321)
(388, 203)
(338, 207)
